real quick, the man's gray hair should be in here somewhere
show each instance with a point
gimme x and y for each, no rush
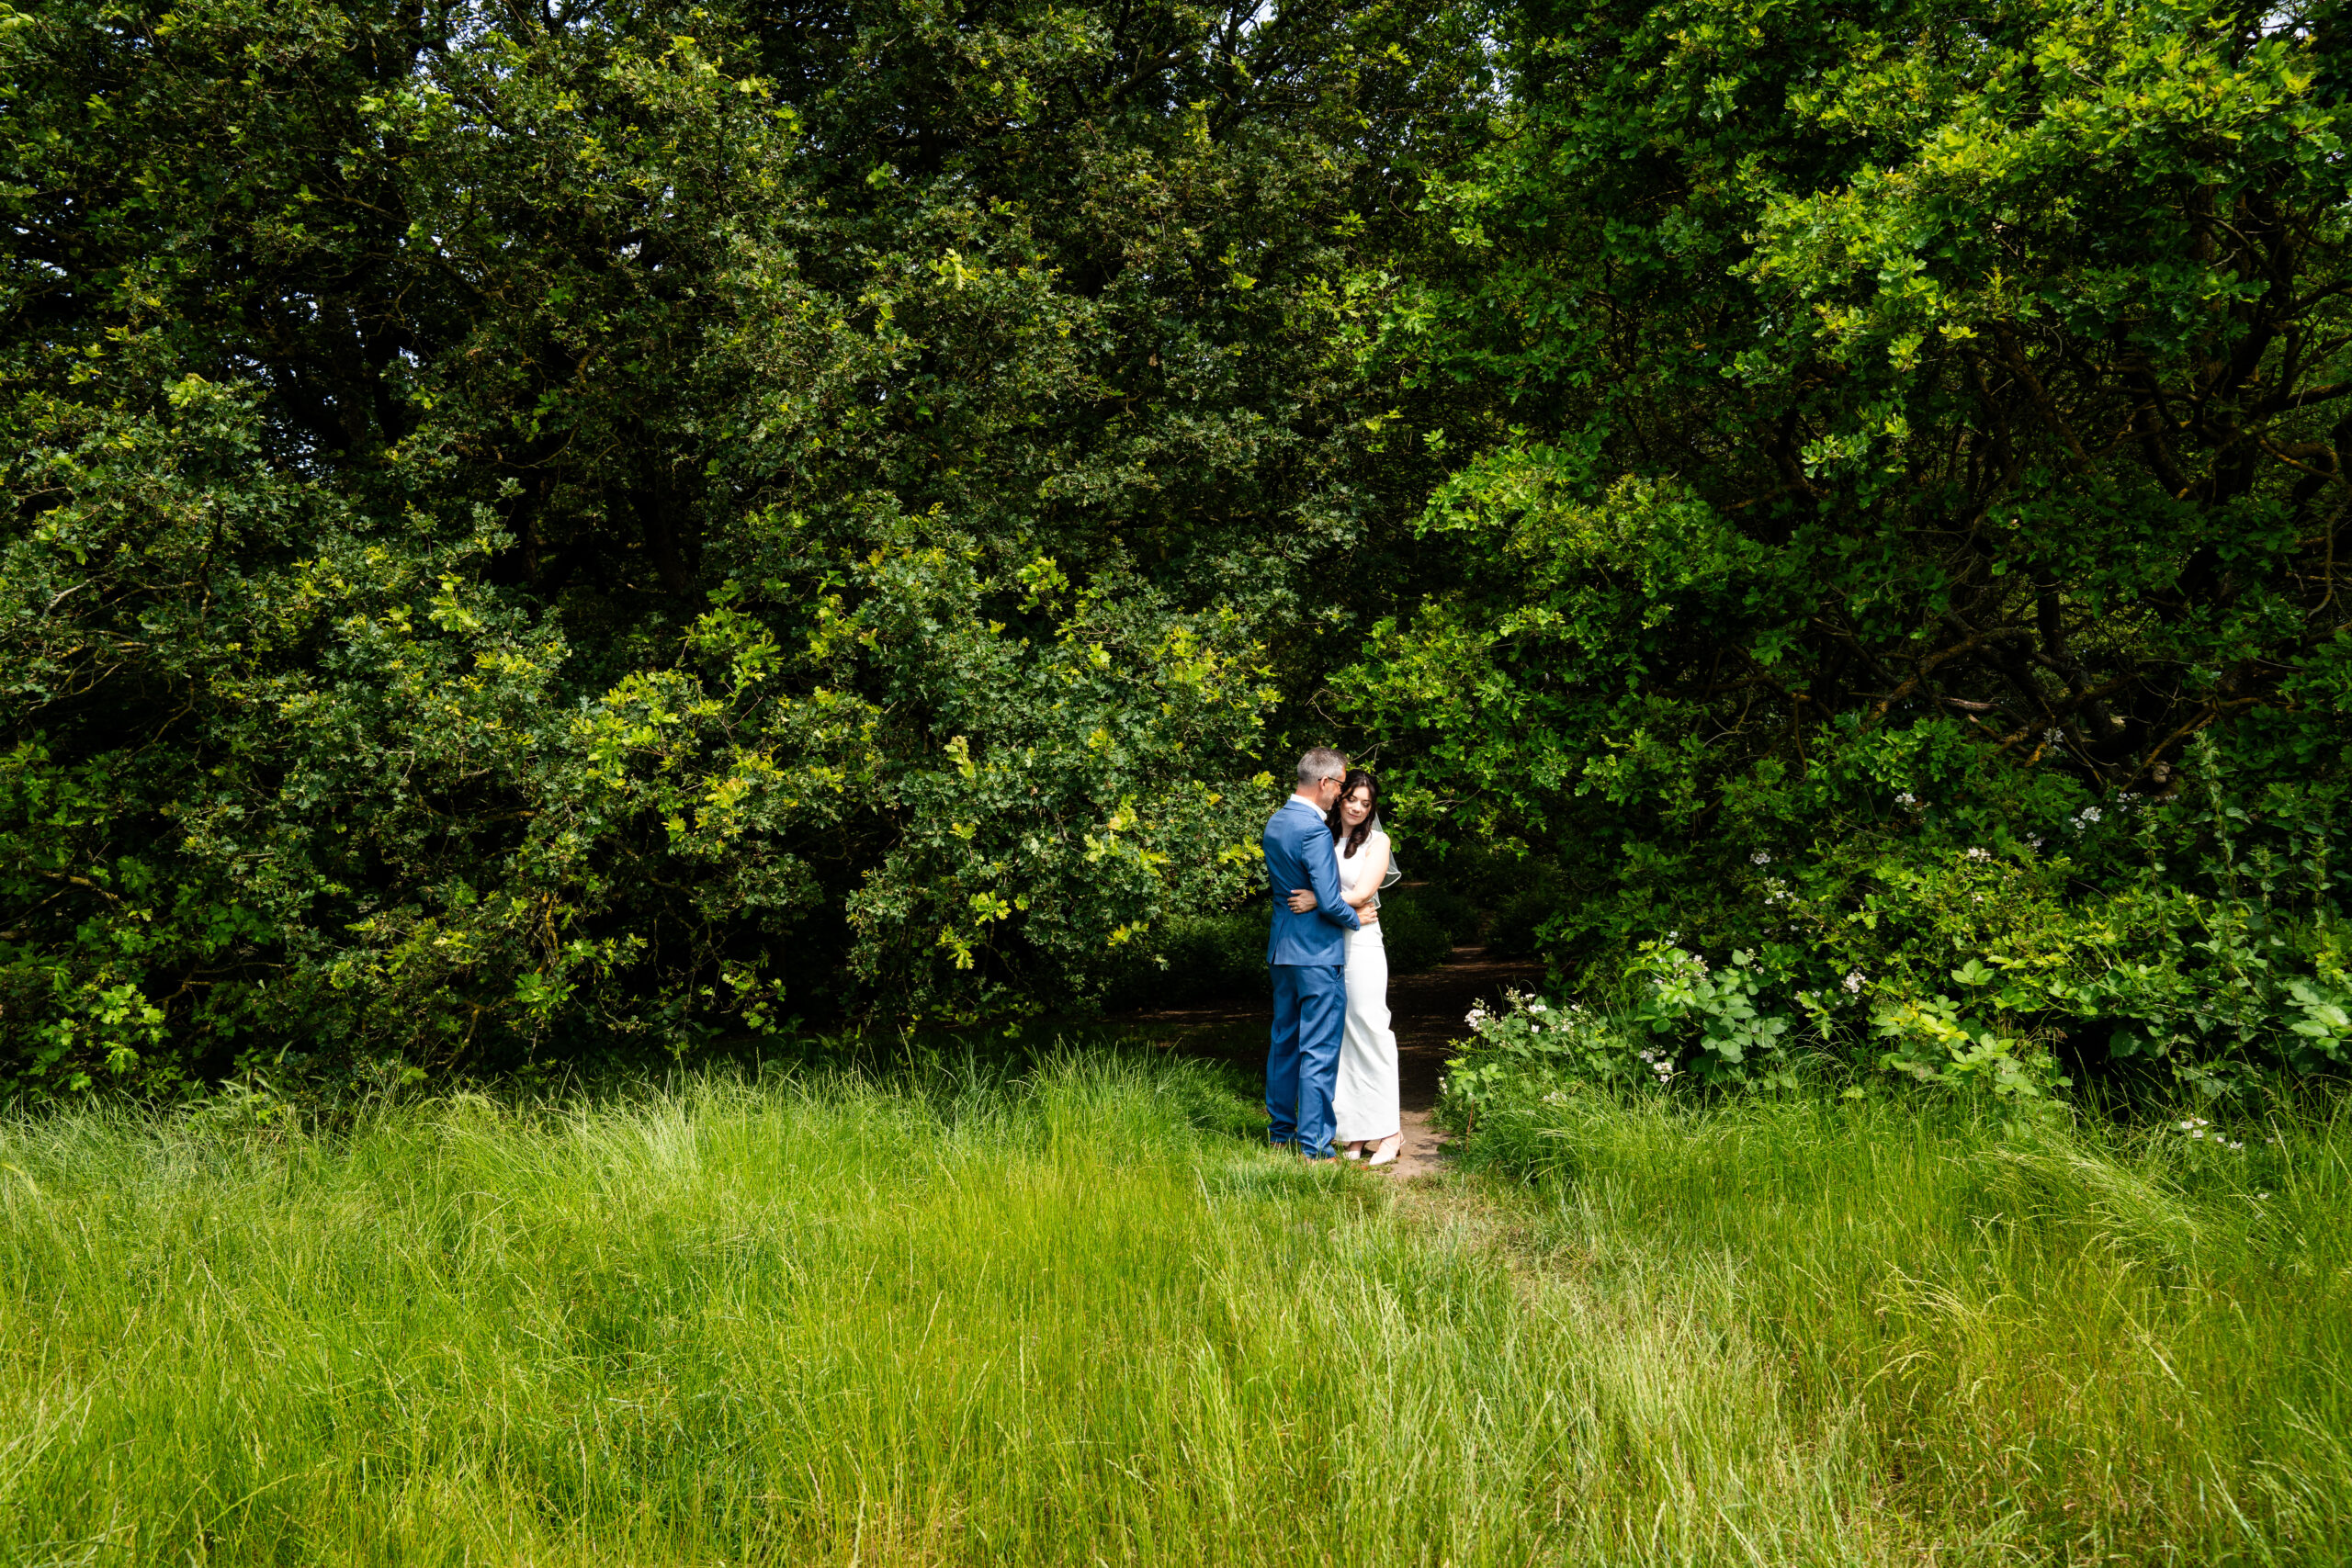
(1321, 763)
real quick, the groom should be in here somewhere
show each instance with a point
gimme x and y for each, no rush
(1306, 952)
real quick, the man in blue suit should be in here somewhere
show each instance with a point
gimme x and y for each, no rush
(1306, 952)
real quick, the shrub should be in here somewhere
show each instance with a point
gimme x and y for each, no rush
(1414, 932)
(1201, 958)
(1517, 929)
(1456, 912)
(1535, 1047)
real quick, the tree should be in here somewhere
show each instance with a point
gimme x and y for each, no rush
(1888, 432)
(531, 527)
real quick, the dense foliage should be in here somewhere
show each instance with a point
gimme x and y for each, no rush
(536, 529)
(1897, 571)
(611, 526)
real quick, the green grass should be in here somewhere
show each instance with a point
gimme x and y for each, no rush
(2052, 1341)
(1076, 1317)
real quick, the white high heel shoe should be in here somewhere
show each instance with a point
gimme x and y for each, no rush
(1390, 1147)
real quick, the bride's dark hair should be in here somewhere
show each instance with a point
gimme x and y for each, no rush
(1351, 839)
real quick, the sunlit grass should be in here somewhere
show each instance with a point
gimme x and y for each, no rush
(2065, 1339)
(1076, 1316)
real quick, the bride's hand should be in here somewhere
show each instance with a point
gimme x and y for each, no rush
(1301, 900)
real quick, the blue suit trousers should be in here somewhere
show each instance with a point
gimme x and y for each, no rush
(1303, 1061)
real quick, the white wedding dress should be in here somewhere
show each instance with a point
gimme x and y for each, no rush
(1364, 1100)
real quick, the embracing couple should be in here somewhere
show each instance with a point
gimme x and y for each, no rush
(1331, 1071)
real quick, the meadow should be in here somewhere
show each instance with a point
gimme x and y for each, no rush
(1073, 1314)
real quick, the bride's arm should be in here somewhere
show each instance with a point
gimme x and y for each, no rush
(1376, 869)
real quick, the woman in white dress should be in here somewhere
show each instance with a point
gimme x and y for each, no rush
(1364, 1100)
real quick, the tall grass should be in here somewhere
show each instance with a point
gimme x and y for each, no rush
(1076, 1317)
(2051, 1342)
(1067, 1319)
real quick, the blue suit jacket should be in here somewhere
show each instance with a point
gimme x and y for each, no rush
(1299, 854)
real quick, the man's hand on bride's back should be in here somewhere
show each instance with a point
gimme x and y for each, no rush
(1301, 900)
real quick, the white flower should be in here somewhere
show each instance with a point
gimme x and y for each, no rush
(2198, 1132)
(2237, 1146)
(1762, 857)
(2035, 841)
(1854, 981)
(1980, 854)
(1907, 799)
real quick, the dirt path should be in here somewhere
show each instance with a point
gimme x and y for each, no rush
(1426, 1011)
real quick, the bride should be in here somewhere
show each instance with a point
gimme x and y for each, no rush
(1365, 1099)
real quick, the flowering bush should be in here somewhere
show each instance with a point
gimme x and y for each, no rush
(1737, 1041)
(1532, 1048)
(2192, 942)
